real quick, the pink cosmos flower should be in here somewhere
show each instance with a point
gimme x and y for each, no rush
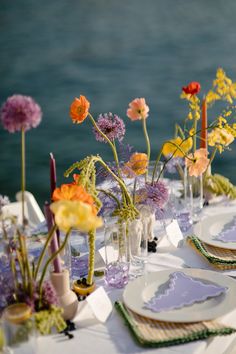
(138, 109)
(197, 163)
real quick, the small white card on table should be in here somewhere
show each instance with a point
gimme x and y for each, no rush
(174, 234)
(96, 307)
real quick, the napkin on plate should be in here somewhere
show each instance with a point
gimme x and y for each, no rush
(182, 290)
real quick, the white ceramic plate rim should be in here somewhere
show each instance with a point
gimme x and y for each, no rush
(202, 230)
(133, 297)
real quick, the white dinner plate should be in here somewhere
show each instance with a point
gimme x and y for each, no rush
(143, 289)
(208, 229)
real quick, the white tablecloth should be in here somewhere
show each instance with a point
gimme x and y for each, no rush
(113, 337)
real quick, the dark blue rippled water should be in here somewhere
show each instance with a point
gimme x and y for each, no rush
(111, 51)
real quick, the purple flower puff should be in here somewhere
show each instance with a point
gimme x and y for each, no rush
(155, 195)
(20, 112)
(111, 125)
(49, 294)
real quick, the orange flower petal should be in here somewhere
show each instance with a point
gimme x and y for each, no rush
(79, 109)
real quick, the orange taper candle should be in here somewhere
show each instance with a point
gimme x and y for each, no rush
(203, 142)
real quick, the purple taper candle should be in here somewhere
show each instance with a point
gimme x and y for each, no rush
(53, 174)
(53, 183)
(54, 243)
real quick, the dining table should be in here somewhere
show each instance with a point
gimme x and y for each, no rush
(114, 336)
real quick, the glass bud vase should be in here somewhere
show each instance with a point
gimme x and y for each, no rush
(139, 232)
(116, 253)
(193, 194)
(19, 329)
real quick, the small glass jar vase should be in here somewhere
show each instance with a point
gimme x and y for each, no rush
(116, 253)
(19, 329)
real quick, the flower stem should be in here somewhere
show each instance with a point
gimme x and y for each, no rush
(23, 176)
(42, 254)
(147, 143)
(53, 256)
(111, 195)
(160, 153)
(91, 240)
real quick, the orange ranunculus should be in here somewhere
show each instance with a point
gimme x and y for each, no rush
(73, 192)
(79, 109)
(138, 109)
(197, 163)
(137, 165)
(192, 89)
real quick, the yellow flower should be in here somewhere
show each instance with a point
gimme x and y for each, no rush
(171, 149)
(192, 132)
(220, 137)
(75, 214)
(223, 88)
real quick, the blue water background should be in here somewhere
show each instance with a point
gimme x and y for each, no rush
(112, 52)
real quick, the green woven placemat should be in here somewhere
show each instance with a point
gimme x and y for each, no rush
(219, 257)
(152, 333)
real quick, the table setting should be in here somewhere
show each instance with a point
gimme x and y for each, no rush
(128, 256)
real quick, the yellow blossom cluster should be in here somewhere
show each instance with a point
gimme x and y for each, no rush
(194, 106)
(223, 88)
(221, 137)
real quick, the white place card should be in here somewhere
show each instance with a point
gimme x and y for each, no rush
(95, 308)
(174, 234)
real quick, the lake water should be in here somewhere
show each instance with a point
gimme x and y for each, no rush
(112, 52)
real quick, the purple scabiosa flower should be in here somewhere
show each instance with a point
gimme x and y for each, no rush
(20, 112)
(111, 125)
(155, 195)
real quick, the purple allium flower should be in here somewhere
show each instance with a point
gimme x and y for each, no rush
(20, 112)
(49, 294)
(111, 125)
(155, 195)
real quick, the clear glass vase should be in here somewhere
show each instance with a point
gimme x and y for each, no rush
(19, 330)
(193, 194)
(116, 253)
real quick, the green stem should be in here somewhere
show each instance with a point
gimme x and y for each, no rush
(23, 176)
(179, 130)
(147, 143)
(109, 194)
(42, 254)
(91, 239)
(119, 180)
(50, 260)
(134, 189)
(160, 153)
(195, 135)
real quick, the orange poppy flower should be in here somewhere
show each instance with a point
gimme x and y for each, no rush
(137, 165)
(79, 109)
(73, 192)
